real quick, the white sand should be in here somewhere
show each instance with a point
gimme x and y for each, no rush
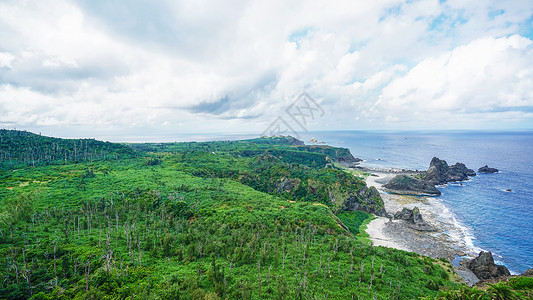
(392, 204)
(378, 237)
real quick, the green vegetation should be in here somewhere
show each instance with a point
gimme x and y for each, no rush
(257, 219)
(21, 148)
(354, 220)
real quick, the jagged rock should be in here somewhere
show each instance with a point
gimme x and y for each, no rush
(367, 200)
(440, 173)
(414, 219)
(487, 169)
(404, 184)
(484, 267)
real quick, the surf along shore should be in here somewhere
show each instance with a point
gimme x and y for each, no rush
(449, 241)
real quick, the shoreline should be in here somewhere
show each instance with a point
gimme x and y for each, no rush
(449, 241)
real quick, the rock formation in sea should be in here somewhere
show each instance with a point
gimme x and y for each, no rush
(315, 141)
(413, 217)
(404, 184)
(484, 267)
(440, 173)
(487, 169)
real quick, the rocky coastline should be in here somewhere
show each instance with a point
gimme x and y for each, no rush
(414, 224)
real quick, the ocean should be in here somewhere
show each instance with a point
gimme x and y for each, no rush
(486, 216)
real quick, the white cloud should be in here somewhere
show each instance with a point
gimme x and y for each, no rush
(5, 60)
(487, 75)
(201, 63)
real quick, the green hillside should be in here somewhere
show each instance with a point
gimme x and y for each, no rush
(256, 219)
(22, 148)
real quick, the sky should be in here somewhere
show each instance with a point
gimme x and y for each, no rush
(154, 70)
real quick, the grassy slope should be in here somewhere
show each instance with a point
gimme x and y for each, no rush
(198, 237)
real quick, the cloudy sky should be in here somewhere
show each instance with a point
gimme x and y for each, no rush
(128, 69)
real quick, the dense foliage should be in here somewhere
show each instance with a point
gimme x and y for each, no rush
(22, 148)
(183, 221)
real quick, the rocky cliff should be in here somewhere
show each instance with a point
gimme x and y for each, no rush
(367, 200)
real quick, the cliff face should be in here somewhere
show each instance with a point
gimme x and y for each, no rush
(341, 155)
(404, 184)
(440, 173)
(367, 200)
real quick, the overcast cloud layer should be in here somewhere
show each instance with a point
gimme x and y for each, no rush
(103, 68)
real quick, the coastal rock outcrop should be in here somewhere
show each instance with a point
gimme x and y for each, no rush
(315, 141)
(440, 173)
(414, 218)
(484, 267)
(528, 273)
(367, 200)
(404, 184)
(487, 169)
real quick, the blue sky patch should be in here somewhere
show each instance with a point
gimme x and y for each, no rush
(300, 34)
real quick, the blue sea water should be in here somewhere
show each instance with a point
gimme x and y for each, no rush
(494, 220)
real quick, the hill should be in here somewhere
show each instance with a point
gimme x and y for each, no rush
(200, 221)
(21, 148)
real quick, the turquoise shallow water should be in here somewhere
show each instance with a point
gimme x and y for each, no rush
(494, 220)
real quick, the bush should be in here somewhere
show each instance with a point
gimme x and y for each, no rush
(521, 283)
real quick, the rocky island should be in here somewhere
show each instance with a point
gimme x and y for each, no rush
(487, 169)
(408, 185)
(440, 173)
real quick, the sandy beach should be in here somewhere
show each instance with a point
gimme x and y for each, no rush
(447, 242)
(376, 230)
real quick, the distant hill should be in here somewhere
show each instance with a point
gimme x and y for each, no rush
(286, 148)
(25, 148)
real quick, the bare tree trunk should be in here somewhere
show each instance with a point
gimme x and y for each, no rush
(87, 271)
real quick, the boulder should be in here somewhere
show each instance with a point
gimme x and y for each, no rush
(484, 267)
(404, 184)
(487, 169)
(440, 173)
(414, 218)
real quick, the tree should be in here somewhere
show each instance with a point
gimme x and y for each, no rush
(17, 209)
